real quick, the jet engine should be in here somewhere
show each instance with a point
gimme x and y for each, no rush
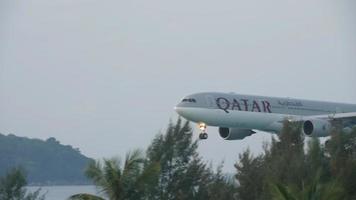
(317, 127)
(234, 133)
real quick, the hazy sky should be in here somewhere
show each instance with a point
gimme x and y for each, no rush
(104, 76)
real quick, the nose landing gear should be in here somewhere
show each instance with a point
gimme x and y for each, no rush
(203, 135)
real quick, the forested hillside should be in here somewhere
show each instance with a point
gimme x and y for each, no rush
(45, 162)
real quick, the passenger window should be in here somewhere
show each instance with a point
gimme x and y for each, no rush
(189, 100)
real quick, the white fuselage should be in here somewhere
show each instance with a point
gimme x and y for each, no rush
(253, 112)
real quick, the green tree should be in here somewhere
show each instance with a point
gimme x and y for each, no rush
(287, 171)
(183, 174)
(284, 159)
(250, 175)
(326, 173)
(176, 153)
(282, 162)
(172, 170)
(342, 151)
(314, 190)
(119, 182)
(12, 187)
(220, 186)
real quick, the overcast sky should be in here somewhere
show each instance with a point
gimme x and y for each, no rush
(104, 76)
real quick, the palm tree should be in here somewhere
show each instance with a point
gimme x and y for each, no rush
(12, 186)
(118, 182)
(315, 190)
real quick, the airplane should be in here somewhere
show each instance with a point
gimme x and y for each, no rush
(239, 116)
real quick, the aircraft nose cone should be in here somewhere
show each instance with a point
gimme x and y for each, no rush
(178, 109)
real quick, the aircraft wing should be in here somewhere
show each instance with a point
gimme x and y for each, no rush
(344, 119)
(334, 116)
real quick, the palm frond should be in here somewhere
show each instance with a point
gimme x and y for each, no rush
(280, 192)
(94, 172)
(112, 174)
(133, 162)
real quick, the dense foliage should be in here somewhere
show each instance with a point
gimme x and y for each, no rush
(171, 170)
(12, 187)
(45, 162)
(288, 171)
(183, 174)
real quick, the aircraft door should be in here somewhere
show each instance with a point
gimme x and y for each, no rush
(210, 101)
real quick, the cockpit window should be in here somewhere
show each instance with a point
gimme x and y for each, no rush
(191, 100)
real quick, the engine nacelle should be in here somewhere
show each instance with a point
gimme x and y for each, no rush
(234, 133)
(317, 128)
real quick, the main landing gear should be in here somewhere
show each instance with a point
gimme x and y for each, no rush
(203, 135)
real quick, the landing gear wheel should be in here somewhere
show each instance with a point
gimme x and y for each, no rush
(203, 136)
